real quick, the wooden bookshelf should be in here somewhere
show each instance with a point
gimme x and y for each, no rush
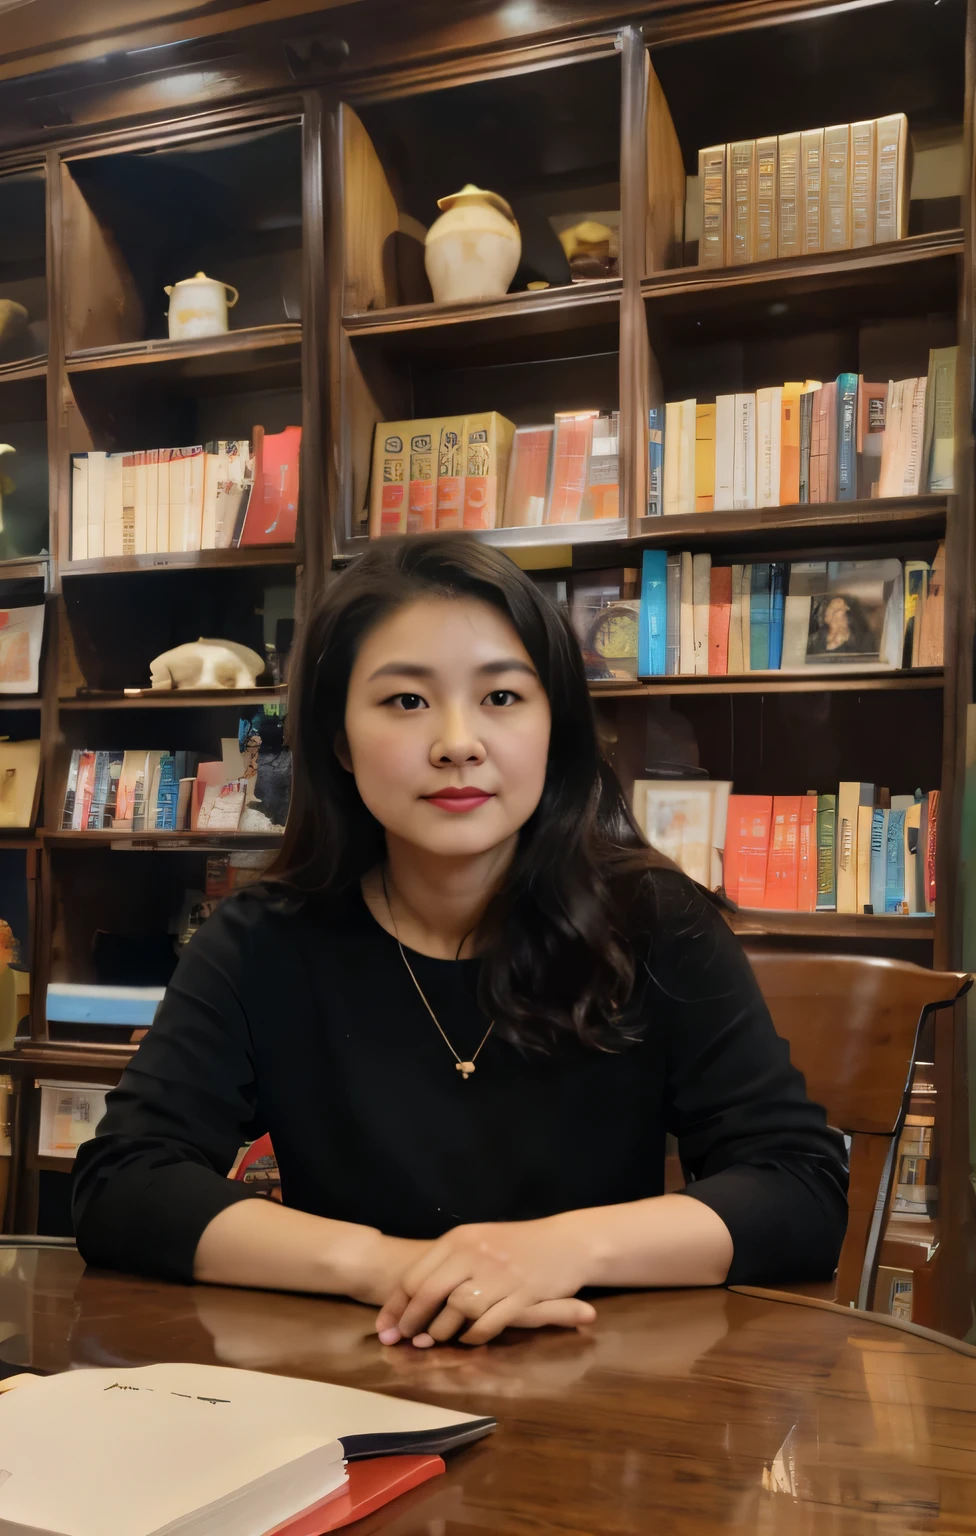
(304, 183)
(179, 698)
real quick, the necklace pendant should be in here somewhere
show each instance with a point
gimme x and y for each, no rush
(465, 1068)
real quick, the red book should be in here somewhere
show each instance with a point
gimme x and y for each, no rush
(930, 847)
(719, 613)
(371, 1485)
(782, 867)
(747, 848)
(272, 512)
(806, 892)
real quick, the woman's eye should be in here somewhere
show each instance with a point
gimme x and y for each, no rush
(407, 701)
(499, 697)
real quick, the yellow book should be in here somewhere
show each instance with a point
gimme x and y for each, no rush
(711, 175)
(789, 462)
(742, 177)
(488, 445)
(789, 205)
(388, 479)
(424, 448)
(704, 458)
(892, 185)
(811, 189)
(450, 473)
(766, 199)
(851, 799)
(863, 137)
(837, 188)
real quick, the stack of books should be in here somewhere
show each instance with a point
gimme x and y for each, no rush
(805, 442)
(696, 618)
(482, 472)
(859, 850)
(915, 1192)
(795, 194)
(177, 500)
(138, 791)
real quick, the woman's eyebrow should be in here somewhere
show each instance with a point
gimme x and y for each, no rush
(487, 669)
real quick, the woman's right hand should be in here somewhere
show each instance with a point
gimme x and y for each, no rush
(377, 1269)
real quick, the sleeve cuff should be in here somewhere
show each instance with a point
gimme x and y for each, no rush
(779, 1231)
(152, 1221)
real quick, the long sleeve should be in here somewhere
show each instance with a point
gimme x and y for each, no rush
(156, 1174)
(753, 1146)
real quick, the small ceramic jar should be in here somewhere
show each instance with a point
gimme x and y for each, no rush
(473, 249)
(198, 307)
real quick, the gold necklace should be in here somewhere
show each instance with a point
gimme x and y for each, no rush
(464, 1067)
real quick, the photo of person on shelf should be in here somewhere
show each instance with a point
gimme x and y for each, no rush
(467, 1003)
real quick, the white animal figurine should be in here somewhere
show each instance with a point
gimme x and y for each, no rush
(207, 664)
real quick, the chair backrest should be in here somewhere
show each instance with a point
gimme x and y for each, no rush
(852, 1024)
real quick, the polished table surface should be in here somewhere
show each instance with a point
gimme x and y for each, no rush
(676, 1414)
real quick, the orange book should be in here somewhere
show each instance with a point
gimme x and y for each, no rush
(747, 848)
(272, 511)
(806, 885)
(719, 614)
(789, 451)
(931, 839)
(449, 497)
(371, 1485)
(782, 867)
(570, 463)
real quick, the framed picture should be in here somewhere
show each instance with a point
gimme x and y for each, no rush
(685, 819)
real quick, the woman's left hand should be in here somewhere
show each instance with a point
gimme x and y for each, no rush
(478, 1280)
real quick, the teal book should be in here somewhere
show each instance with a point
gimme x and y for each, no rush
(777, 591)
(759, 619)
(653, 618)
(879, 859)
(96, 810)
(166, 794)
(847, 437)
(894, 890)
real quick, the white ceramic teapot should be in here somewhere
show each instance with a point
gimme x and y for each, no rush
(198, 307)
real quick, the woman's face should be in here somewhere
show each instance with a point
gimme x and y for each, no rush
(447, 726)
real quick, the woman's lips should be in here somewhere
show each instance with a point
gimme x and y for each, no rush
(458, 799)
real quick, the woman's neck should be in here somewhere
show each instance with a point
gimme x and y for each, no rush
(433, 904)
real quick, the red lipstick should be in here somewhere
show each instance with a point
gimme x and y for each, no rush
(453, 799)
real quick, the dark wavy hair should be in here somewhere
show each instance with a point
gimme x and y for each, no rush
(556, 961)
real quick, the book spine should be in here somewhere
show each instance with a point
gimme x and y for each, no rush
(420, 485)
(79, 506)
(449, 501)
(806, 432)
(701, 586)
(735, 661)
(113, 505)
(673, 646)
(837, 187)
(939, 466)
(711, 174)
(930, 850)
(846, 437)
(826, 861)
(742, 201)
(96, 504)
(719, 618)
(782, 870)
(790, 241)
(806, 892)
(891, 202)
(655, 461)
(863, 136)
(915, 406)
(894, 894)
(745, 452)
(652, 634)
(704, 458)
(759, 618)
(141, 495)
(745, 617)
(686, 657)
(769, 425)
(777, 597)
(96, 810)
(68, 809)
(789, 462)
(128, 504)
(878, 858)
(812, 190)
(766, 200)
(724, 453)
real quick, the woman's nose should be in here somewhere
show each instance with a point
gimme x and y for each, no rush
(457, 741)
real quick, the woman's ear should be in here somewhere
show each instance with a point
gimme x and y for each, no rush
(341, 747)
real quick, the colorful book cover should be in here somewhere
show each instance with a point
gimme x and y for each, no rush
(449, 493)
(806, 893)
(778, 571)
(655, 461)
(272, 511)
(759, 595)
(782, 868)
(747, 848)
(847, 437)
(826, 860)
(652, 655)
(879, 859)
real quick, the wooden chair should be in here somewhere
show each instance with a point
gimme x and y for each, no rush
(852, 1022)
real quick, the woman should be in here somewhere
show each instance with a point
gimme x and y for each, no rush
(467, 1006)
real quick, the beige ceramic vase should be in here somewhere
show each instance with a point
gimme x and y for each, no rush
(473, 249)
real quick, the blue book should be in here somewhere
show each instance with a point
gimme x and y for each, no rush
(894, 893)
(71, 1002)
(655, 464)
(652, 638)
(759, 619)
(167, 794)
(847, 437)
(879, 859)
(777, 596)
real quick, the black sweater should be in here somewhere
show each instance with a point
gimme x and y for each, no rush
(279, 1020)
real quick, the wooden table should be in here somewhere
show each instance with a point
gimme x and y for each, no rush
(677, 1414)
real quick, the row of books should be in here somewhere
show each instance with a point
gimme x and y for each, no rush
(176, 500)
(726, 620)
(139, 791)
(808, 442)
(915, 1190)
(794, 194)
(859, 850)
(480, 471)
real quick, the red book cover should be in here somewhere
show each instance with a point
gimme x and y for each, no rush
(371, 1485)
(933, 828)
(747, 848)
(83, 791)
(782, 867)
(272, 512)
(570, 461)
(806, 892)
(719, 612)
